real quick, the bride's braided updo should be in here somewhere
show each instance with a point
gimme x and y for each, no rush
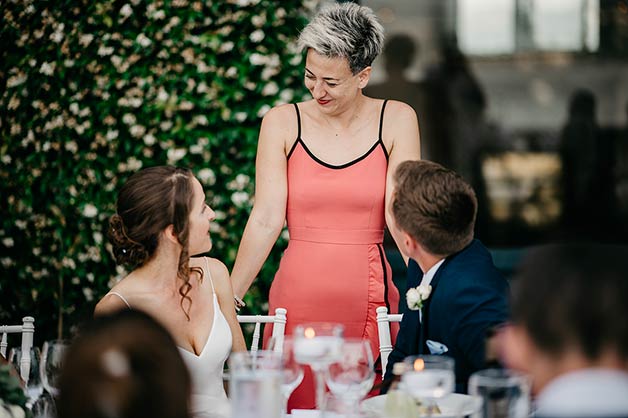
(151, 200)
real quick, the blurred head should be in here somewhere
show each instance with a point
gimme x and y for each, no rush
(124, 365)
(582, 105)
(345, 30)
(157, 204)
(569, 310)
(399, 51)
(435, 206)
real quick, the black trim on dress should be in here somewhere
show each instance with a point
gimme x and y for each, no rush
(381, 257)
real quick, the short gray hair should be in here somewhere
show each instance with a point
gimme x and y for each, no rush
(345, 30)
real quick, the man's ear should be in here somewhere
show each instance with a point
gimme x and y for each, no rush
(170, 235)
(410, 244)
(364, 77)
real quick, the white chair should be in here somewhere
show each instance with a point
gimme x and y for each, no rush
(279, 327)
(383, 330)
(27, 329)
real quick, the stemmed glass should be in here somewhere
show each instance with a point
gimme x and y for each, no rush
(52, 357)
(428, 378)
(318, 345)
(32, 382)
(292, 372)
(351, 375)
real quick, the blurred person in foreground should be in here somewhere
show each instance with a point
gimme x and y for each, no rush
(124, 365)
(455, 294)
(569, 330)
(325, 165)
(161, 221)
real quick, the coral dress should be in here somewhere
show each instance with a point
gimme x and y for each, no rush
(334, 268)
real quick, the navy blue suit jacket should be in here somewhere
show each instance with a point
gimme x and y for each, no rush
(469, 297)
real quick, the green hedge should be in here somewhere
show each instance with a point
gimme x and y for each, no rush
(94, 90)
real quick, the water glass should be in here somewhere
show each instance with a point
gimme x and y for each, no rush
(255, 384)
(33, 387)
(428, 378)
(504, 393)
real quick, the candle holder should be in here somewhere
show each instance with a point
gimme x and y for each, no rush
(318, 345)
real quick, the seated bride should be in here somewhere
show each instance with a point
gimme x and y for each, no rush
(161, 221)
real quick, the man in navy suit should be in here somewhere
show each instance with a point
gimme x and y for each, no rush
(434, 212)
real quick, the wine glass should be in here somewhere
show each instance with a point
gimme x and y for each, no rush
(52, 357)
(32, 382)
(350, 376)
(428, 378)
(292, 371)
(318, 345)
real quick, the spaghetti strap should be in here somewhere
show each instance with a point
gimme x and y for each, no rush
(209, 275)
(121, 297)
(296, 107)
(381, 119)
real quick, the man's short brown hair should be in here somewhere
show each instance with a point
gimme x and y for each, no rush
(435, 206)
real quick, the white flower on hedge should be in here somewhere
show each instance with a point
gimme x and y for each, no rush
(240, 116)
(86, 39)
(159, 15)
(270, 89)
(149, 139)
(97, 237)
(226, 46)
(133, 164)
(129, 118)
(8, 242)
(90, 211)
(263, 110)
(232, 72)
(88, 293)
(137, 131)
(71, 146)
(143, 40)
(47, 68)
(207, 176)
(126, 10)
(16, 80)
(257, 35)
(257, 59)
(415, 296)
(175, 154)
(258, 20)
(239, 198)
(112, 134)
(103, 51)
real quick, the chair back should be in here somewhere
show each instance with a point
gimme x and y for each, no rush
(383, 330)
(279, 327)
(27, 329)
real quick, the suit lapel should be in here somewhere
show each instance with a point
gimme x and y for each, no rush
(424, 324)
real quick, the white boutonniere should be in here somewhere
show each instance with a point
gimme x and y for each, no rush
(417, 295)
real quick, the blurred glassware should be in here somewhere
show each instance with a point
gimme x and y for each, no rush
(351, 375)
(428, 378)
(504, 393)
(318, 345)
(255, 384)
(52, 356)
(292, 371)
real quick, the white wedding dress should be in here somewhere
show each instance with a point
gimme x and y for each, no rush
(208, 399)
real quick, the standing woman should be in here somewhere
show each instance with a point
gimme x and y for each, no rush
(325, 166)
(162, 219)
